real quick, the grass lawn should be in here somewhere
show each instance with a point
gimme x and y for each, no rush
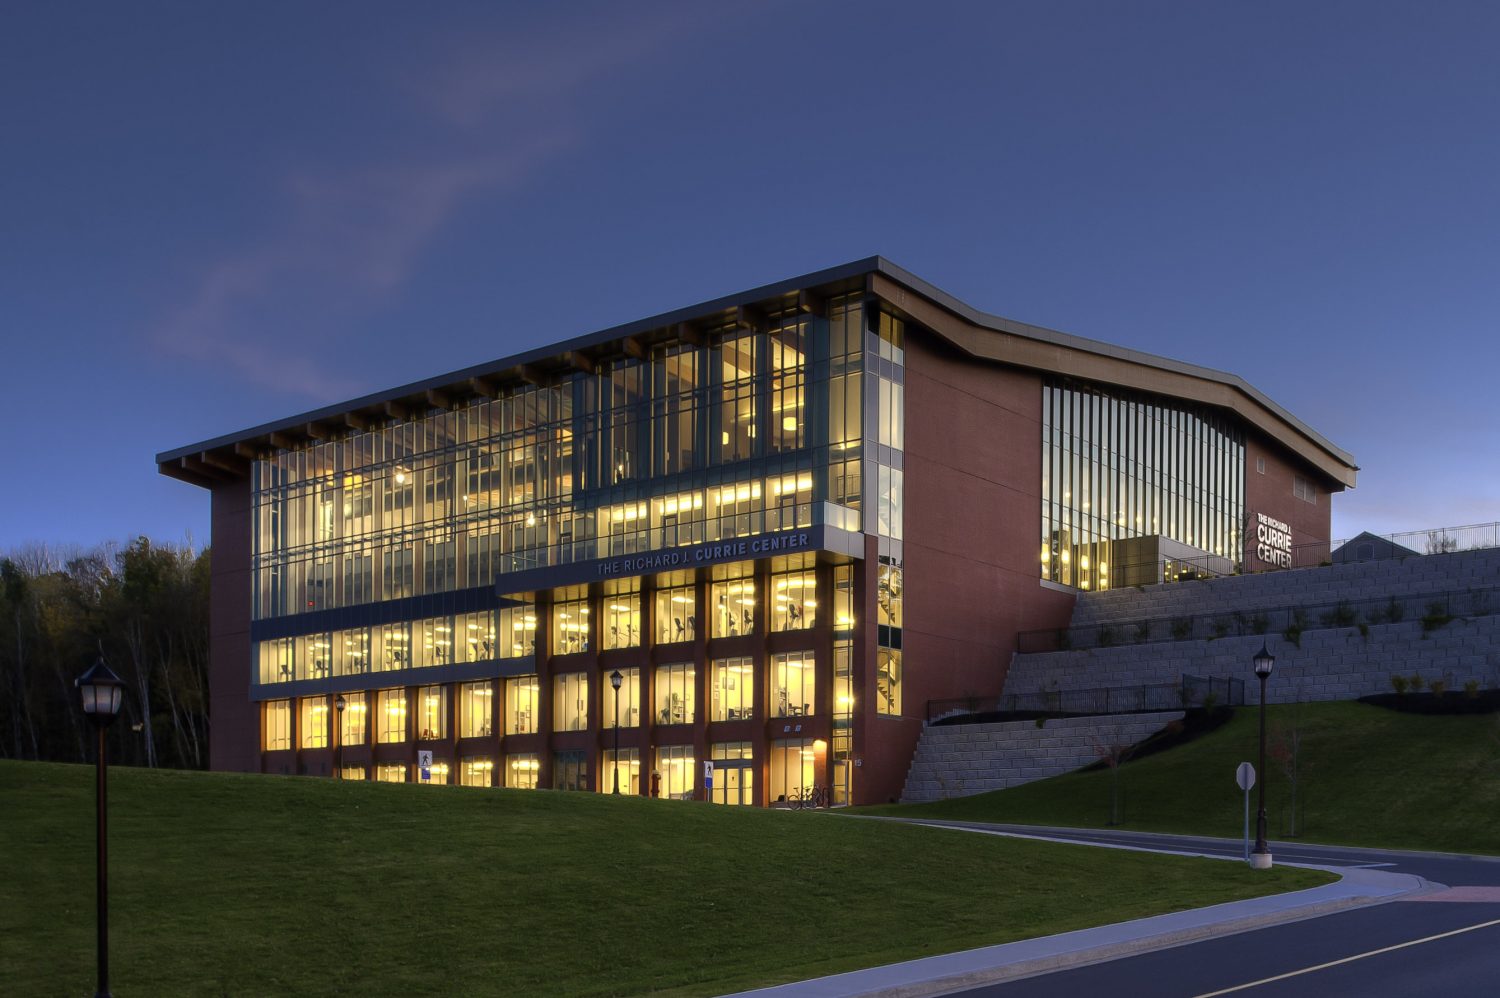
(234, 885)
(1368, 776)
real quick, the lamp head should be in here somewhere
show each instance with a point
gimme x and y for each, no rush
(102, 693)
(340, 703)
(1264, 661)
(615, 679)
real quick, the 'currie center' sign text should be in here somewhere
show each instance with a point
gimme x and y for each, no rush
(1273, 541)
(702, 554)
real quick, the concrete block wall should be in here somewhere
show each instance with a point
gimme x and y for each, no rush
(1408, 579)
(957, 760)
(1336, 663)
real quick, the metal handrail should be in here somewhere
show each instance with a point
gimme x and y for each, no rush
(1188, 692)
(1289, 621)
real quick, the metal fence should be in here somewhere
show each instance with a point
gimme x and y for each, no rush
(1191, 691)
(1443, 540)
(1432, 609)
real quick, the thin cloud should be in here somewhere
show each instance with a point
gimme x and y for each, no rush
(496, 112)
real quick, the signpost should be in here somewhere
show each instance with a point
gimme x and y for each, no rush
(1245, 777)
(708, 778)
(424, 763)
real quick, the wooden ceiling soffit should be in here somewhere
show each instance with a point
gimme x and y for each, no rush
(318, 431)
(357, 421)
(398, 410)
(285, 441)
(247, 451)
(689, 333)
(533, 375)
(484, 387)
(204, 472)
(580, 361)
(439, 399)
(750, 317)
(812, 303)
(1059, 358)
(225, 462)
(633, 348)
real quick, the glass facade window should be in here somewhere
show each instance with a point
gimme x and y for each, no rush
(521, 696)
(1119, 470)
(676, 614)
(843, 687)
(474, 637)
(630, 771)
(570, 702)
(676, 694)
(390, 712)
(391, 772)
(794, 604)
(352, 773)
(476, 770)
(437, 646)
(432, 717)
(522, 770)
(733, 689)
(843, 598)
(316, 723)
(476, 704)
(351, 652)
(393, 650)
(278, 725)
(570, 622)
(628, 702)
(437, 774)
(676, 771)
(354, 719)
(570, 771)
(793, 685)
(888, 681)
(731, 598)
(517, 631)
(734, 773)
(793, 768)
(621, 617)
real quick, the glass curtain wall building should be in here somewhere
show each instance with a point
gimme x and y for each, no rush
(734, 508)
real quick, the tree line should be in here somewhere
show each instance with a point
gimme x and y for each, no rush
(144, 609)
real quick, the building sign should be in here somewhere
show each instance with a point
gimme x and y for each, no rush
(1273, 541)
(703, 554)
(424, 764)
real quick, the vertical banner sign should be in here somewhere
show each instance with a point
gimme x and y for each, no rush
(424, 763)
(708, 776)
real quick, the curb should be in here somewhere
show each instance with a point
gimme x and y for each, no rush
(946, 973)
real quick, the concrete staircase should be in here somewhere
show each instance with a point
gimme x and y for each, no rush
(956, 760)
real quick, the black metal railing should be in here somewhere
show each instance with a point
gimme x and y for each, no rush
(1433, 609)
(1190, 691)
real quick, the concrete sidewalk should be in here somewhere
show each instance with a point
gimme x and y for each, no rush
(938, 975)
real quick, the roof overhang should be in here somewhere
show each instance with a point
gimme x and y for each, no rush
(976, 333)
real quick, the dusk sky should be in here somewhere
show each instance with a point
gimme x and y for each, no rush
(214, 215)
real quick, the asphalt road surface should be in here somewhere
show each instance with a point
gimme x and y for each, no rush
(1446, 943)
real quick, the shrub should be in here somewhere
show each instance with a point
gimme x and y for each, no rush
(1259, 623)
(1143, 632)
(1399, 684)
(1416, 682)
(1395, 610)
(1437, 687)
(1106, 637)
(1437, 616)
(1221, 628)
(1182, 628)
(1364, 630)
(1293, 632)
(1342, 615)
(1471, 689)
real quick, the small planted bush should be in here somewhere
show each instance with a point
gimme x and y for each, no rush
(1399, 684)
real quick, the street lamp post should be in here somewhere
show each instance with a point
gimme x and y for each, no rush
(339, 704)
(102, 693)
(1260, 859)
(614, 680)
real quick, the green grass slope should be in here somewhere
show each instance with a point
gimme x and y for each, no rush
(1368, 776)
(226, 884)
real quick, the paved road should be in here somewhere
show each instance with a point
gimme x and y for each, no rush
(1444, 943)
